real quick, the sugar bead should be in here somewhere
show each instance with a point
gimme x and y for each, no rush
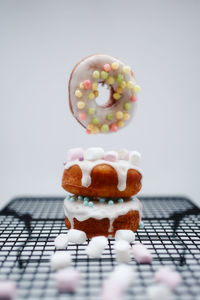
(95, 74)
(127, 105)
(116, 96)
(110, 80)
(129, 84)
(107, 67)
(126, 69)
(90, 204)
(102, 200)
(104, 75)
(120, 123)
(91, 110)
(81, 105)
(85, 203)
(78, 94)
(126, 116)
(95, 120)
(133, 98)
(82, 116)
(80, 198)
(104, 128)
(87, 84)
(114, 127)
(86, 199)
(110, 202)
(109, 117)
(119, 78)
(91, 96)
(115, 65)
(119, 115)
(120, 200)
(94, 86)
(136, 88)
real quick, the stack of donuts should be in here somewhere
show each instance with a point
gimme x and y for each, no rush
(102, 188)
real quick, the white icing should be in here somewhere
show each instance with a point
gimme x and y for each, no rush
(83, 71)
(121, 167)
(99, 211)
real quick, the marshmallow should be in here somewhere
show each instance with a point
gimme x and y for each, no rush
(125, 235)
(7, 289)
(67, 280)
(135, 158)
(96, 246)
(75, 153)
(123, 154)
(122, 251)
(60, 260)
(94, 153)
(117, 282)
(61, 241)
(159, 291)
(111, 156)
(76, 236)
(141, 254)
(169, 277)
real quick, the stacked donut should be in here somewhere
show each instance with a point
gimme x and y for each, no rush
(102, 187)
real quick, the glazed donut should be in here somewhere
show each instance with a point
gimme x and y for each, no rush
(85, 78)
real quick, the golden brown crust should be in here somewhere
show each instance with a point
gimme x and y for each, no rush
(93, 227)
(104, 182)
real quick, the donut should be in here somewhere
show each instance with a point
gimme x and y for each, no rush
(103, 184)
(85, 79)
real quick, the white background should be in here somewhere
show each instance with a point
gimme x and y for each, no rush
(41, 41)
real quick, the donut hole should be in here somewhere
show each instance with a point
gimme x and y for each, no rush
(104, 98)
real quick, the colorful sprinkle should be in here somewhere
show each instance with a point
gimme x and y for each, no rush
(133, 98)
(95, 130)
(90, 204)
(107, 67)
(116, 96)
(104, 75)
(96, 94)
(80, 198)
(81, 86)
(119, 115)
(120, 200)
(104, 128)
(126, 69)
(80, 104)
(119, 78)
(123, 84)
(136, 88)
(91, 110)
(110, 80)
(78, 94)
(102, 200)
(114, 127)
(88, 131)
(126, 116)
(91, 96)
(95, 74)
(129, 84)
(109, 117)
(119, 90)
(95, 86)
(87, 84)
(127, 105)
(110, 202)
(120, 123)
(82, 116)
(115, 65)
(95, 120)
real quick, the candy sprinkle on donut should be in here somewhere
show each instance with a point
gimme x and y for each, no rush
(84, 82)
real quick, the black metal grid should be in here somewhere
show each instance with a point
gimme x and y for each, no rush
(36, 281)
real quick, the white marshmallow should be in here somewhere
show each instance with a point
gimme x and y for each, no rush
(159, 291)
(94, 153)
(122, 251)
(123, 154)
(67, 280)
(135, 158)
(125, 235)
(61, 241)
(60, 260)
(96, 246)
(76, 236)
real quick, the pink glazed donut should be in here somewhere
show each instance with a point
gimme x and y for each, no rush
(84, 81)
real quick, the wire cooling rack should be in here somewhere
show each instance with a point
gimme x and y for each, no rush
(36, 281)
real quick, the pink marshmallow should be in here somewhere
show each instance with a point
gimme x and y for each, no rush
(75, 153)
(123, 154)
(67, 280)
(7, 289)
(111, 156)
(169, 277)
(111, 290)
(141, 254)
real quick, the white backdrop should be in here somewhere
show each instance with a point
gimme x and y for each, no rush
(41, 41)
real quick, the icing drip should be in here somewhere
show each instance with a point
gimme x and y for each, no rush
(99, 211)
(121, 167)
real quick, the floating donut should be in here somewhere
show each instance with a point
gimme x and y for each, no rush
(85, 79)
